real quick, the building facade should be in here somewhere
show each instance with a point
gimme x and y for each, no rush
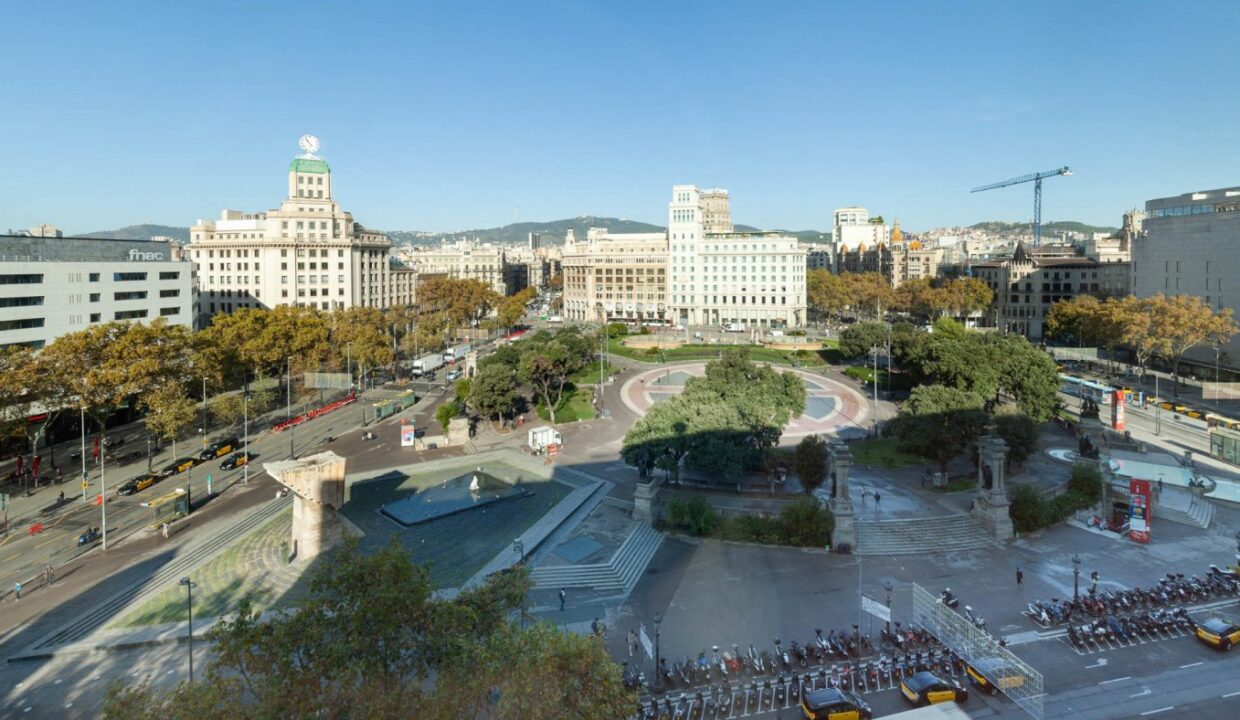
(1026, 286)
(463, 260)
(1186, 245)
(719, 277)
(616, 278)
(308, 252)
(52, 285)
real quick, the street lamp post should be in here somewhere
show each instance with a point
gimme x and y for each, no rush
(1157, 407)
(189, 596)
(658, 672)
(245, 410)
(1076, 576)
(203, 429)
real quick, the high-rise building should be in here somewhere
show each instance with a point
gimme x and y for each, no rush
(1186, 245)
(717, 276)
(52, 285)
(307, 252)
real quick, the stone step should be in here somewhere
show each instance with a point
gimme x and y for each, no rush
(950, 533)
(1191, 510)
(621, 572)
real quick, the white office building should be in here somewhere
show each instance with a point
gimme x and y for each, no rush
(308, 252)
(1186, 245)
(51, 285)
(718, 277)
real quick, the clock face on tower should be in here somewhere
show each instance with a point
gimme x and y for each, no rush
(309, 143)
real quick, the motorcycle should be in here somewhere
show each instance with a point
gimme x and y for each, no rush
(88, 537)
(947, 598)
(799, 653)
(975, 619)
(781, 655)
(719, 662)
(781, 690)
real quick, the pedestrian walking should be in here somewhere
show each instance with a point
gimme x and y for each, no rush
(632, 643)
(1160, 487)
(1020, 577)
(164, 529)
(563, 597)
(877, 499)
(17, 590)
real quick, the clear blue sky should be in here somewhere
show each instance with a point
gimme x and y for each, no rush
(443, 116)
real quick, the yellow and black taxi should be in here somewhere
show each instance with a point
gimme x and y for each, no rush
(137, 484)
(178, 466)
(218, 449)
(235, 461)
(926, 688)
(834, 704)
(993, 674)
(1219, 633)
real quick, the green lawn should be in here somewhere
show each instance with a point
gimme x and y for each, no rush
(574, 406)
(588, 375)
(883, 452)
(757, 353)
(894, 381)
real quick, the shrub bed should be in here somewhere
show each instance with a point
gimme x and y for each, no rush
(1032, 510)
(802, 523)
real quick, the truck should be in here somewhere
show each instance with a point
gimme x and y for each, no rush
(542, 437)
(429, 363)
(456, 352)
(556, 319)
(734, 327)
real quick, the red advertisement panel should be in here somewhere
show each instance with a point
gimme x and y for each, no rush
(1117, 409)
(1139, 511)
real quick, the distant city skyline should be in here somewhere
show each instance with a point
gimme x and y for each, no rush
(443, 121)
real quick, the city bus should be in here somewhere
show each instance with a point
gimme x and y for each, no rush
(1214, 421)
(1085, 389)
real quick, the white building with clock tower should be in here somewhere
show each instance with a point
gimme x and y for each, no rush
(308, 252)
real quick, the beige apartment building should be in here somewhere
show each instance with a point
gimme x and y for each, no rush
(307, 252)
(616, 278)
(463, 260)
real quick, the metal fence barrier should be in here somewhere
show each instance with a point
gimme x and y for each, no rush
(980, 650)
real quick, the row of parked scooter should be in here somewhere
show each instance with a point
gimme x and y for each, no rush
(687, 672)
(1172, 590)
(1155, 624)
(729, 699)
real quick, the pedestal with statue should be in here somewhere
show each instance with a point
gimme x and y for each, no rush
(844, 536)
(990, 504)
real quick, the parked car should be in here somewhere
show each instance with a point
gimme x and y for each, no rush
(137, 484)
(926, 688)
(1219, 633)
(834, 704)
(234, 462)
(178, 466)
(453, 375)
(219, 448)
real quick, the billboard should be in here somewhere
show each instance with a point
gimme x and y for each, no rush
(408, 434)
(1117, 409)
(1139, 510)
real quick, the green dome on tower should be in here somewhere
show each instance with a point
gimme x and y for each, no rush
(308, 165)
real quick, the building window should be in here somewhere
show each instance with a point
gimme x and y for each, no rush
(135, 295)
(173, 275)
(94, 277)
(164, 312)
(94, 317)
(21, 301)
(129, 314)
(22, 279)
(169, 293)
(21, 324)
(128, 277)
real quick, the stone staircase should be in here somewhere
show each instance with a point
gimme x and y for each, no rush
(1183, 507)
(949, 533)
(620, 573)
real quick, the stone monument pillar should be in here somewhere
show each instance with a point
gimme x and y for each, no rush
(471, 364)
(991, 503)
(318, 486)
(845, 534)
(458, 431)
(645, 500)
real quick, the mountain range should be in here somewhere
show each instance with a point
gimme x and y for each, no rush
(553, 232)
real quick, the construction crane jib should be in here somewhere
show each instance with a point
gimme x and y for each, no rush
(1036, 179)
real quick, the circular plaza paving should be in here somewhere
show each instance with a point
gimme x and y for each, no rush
(831, 407)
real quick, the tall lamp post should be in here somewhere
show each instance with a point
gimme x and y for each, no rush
(1076, 576)
(245, 410)
(658, 672)
(189, 586)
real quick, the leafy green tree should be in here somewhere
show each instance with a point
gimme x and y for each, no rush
(372, 641)
(807, 523)
(547, 361)
(858, 339)
(827, 293)
(494, 391)
(810, 462)
(445, 413)
(169, 411)
(1020, 432)
(939, 423)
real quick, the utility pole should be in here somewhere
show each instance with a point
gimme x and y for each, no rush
(288, 409)
(204, 413)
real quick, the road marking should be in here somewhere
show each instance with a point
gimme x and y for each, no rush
(45, 542)
(1115, 680)
(69, 704)
(1192, 665)
(1232, 694)
(1143, 693)
(1155, 712)
(1101, 662)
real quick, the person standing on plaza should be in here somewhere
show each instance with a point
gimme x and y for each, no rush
(1020, 577)
(877, 499)
(632, 642)
(563, 597)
